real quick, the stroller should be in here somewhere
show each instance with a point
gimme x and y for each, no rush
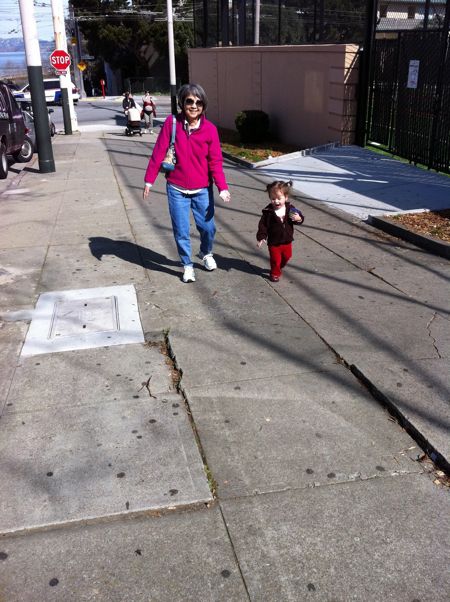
(133, 122)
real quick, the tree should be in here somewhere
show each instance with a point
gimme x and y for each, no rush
(122, 34)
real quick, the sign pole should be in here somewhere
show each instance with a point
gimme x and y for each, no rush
(70, 119)
(173, 78)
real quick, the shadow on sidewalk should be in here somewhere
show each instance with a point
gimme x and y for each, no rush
(240, 265)
(152, 260)
(133, 253)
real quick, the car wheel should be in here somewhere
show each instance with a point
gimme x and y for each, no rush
(3, 162)
(26, 152)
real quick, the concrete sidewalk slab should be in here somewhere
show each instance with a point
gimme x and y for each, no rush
(292, 347)
(19, 275)
(375, 540)
(419, 390)
(12, 336)
(360, 316)
(362, 182)
(74, 266)
(109, 459)
(178, 556)
(299, 431)
(108, 373)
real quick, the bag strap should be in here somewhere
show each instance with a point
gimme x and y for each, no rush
(174, 129)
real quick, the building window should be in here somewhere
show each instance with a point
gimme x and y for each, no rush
(411, 12)
(383, 11)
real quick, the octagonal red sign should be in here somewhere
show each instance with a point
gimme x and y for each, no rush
(60, 60)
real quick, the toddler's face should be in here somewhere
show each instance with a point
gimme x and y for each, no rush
(278, 199)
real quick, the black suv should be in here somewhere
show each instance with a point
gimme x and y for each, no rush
(14, 140)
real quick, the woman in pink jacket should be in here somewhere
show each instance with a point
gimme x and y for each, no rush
(189, 185)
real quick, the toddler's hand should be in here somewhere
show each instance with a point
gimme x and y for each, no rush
(296, 218)
(260, 243)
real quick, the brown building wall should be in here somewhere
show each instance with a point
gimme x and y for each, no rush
(309, 92)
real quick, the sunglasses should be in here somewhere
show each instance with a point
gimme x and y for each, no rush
(190, 102)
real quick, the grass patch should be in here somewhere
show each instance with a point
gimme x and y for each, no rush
(254, 152)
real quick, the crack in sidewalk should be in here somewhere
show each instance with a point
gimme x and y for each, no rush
(431, 336)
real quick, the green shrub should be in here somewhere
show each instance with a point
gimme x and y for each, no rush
(252, 125)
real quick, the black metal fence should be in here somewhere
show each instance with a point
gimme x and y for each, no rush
(409, 98)
(235, 22)
(404, 100)
(137, 85)
(401, 15)
(238, 23)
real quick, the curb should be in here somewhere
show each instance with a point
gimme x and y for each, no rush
(439, 459)
(428, 243)
(301, 153)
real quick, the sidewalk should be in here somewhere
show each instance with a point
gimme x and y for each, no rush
(242, 388)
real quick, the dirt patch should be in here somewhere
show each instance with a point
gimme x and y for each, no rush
(430, 223)
(230, 143)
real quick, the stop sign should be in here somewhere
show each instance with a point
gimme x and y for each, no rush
(60, 60)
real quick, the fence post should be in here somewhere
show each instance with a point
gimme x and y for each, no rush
(365, 73)
(440, 85)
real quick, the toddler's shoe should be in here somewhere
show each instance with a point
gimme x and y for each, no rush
(274, 278)
(209, 262)
(188, 274)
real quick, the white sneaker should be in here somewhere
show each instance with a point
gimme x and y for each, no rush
(188, 274)
(209, 262)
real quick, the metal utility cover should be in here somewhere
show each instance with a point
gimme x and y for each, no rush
(83, 319)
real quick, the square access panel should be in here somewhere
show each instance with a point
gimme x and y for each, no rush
(84, 319)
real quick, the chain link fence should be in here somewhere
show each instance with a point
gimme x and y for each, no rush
(233, 23)
(402, 15)
(138, 85)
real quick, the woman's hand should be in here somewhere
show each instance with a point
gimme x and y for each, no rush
(145, 192)
(225, 196)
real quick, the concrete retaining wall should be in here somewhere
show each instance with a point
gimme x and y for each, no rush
(309, 92)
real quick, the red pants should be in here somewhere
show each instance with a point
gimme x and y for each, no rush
(279, 256)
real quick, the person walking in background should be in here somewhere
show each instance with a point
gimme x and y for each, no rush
(276, 226)
(149, 109)
(189, 185)
(128, 102)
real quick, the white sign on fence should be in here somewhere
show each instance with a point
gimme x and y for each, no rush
(413, 74)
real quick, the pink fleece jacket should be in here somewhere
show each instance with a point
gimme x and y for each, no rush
(199, 157)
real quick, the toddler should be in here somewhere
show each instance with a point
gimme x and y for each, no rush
(276, 226)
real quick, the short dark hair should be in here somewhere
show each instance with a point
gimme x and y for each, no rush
(192, 90)
(278, 185)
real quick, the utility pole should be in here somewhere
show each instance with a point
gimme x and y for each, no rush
(77, 50)
(70, 119)
(257, 21)
(173, 78)
(34, 69)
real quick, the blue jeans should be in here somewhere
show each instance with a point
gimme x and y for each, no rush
(202, 206)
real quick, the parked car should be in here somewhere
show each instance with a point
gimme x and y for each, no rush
(14, 138)
(52, 92)
(29, 124)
